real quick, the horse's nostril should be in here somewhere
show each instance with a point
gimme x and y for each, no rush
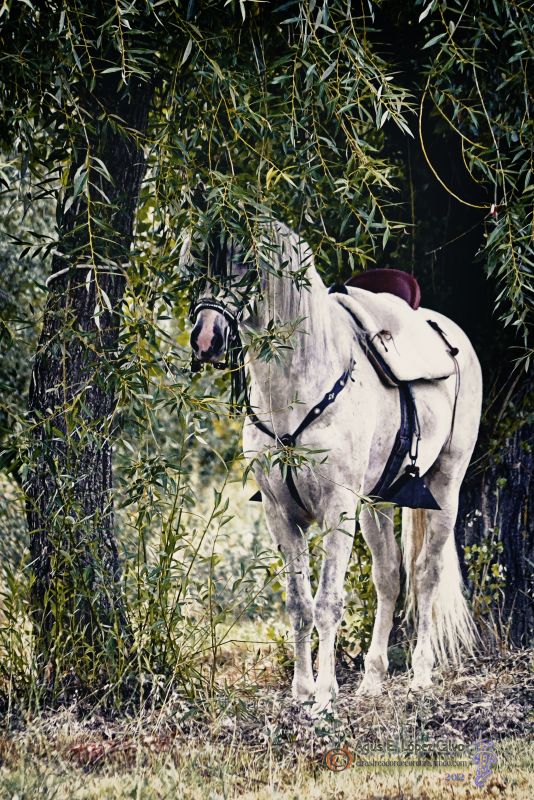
(217, 342)
(194, 337)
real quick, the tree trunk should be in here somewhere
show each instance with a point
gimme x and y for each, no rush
(496, 527)
(76, 592)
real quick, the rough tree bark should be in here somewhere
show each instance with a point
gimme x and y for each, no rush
(497, 508)
(76, 573)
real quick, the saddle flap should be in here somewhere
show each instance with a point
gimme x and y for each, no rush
(410, 491)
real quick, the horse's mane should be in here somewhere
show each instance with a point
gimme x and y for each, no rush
(290, 281)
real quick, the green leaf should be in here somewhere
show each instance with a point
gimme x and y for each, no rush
(187, 52)
(433, 40)
(426, 11)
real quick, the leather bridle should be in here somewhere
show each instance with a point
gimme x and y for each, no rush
(232, 338)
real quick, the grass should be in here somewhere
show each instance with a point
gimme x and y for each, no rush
(238, 734)
(213, 772)
(262, 746)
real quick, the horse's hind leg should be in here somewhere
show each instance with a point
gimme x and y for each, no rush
(443, 619)
(293, 545)
(434, 581)
(377, 529)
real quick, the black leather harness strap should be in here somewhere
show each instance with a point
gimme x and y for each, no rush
(290, 439)
(402, 446)
(453, 352)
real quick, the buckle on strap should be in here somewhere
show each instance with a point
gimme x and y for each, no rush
(287, 440)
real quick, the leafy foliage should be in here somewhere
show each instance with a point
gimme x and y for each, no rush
(478, 83)
(254, 110)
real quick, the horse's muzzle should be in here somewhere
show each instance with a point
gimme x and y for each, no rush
(208, 346)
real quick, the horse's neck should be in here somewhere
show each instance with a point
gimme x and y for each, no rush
(320, 351)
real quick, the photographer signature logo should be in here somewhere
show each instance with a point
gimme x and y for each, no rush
(484, 759)
(483, 756)
(338, 759)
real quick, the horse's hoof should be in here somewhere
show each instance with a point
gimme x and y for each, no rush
(420, 684)
(303, 691)
(369, 688)
(324, 703)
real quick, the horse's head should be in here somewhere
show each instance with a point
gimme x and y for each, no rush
(232, 283)
(221, 305)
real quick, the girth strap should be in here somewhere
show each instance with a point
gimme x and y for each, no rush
(408, 430)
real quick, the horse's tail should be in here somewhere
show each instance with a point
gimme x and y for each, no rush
(453, 627)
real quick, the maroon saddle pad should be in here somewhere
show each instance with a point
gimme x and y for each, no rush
(394, 281)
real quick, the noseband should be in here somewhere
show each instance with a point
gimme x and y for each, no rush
(209, 303)
(231, 337)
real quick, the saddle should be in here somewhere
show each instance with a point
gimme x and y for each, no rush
(404, 338)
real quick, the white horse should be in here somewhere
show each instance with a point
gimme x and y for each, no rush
(357, 431)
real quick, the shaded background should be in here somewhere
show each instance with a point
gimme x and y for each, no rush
(443, 248)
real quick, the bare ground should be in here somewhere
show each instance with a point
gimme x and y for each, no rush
(263, 745)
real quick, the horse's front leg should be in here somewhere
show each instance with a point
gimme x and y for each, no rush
(330, 596)
(293, 545)
(377, 529)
